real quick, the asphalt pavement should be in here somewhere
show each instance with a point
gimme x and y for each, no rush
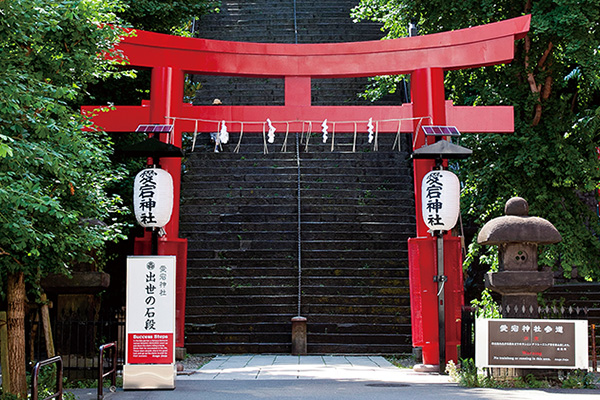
(252, 377)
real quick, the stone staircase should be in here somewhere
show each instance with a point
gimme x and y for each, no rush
(239, 212)
(272, 21)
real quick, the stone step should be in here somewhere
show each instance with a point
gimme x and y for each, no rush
(284, 328)
(291, 290)
(315, 245)
(307, 226)
(209, 241)
(242, 270)
(307, 193)
(326, 200)
(231, 300)
(285, 148)
(189, 208)
(252, 148)
(308, 161)
(346, 180)
(292, 217)
(308, 281)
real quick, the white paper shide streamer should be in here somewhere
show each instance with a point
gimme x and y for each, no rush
(440, 200)
(370, 129)
(325, 127)
(271, 133)
(153, 197)
(223, 134)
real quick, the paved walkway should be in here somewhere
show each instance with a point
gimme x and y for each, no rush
(340, 368)
(280, 377)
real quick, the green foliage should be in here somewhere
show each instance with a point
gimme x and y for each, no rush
(402, 360)
(486, 306)
(554, 85)
(54, 167)
(466, 374)
(578, 379)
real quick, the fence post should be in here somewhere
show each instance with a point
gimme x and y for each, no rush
(59, 377)
(112, 372)
(594, 357)
(467, 346)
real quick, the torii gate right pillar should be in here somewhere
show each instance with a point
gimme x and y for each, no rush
(427, 94)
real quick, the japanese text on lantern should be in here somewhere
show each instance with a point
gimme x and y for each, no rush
(440, 198)
(433, 194)
(146, 193)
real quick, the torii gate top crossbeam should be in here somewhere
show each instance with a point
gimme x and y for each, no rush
(299, 63)
(466, 48)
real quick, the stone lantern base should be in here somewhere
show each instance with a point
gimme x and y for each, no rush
(519, 291)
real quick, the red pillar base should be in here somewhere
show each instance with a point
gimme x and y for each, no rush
(422, 255)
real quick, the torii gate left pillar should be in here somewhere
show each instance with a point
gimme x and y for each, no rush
(166, 92)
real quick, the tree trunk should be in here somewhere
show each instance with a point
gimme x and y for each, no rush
(16, 333)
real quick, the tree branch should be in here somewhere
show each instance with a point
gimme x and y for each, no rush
(546, 54)
(547, 88)
(530, 76)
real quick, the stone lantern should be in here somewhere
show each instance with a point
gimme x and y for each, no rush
(519, 279)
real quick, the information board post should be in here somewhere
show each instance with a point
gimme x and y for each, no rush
(150, 323)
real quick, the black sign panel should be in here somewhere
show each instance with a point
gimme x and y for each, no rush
(531, 343)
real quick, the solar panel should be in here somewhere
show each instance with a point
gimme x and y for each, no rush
(438, 130)
(154, 128)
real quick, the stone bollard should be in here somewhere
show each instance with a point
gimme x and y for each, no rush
(299, 336)
(518, 279)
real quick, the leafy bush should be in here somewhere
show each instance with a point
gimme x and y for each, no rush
(578, 379)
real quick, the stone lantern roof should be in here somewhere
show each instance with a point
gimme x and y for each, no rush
(518, 226)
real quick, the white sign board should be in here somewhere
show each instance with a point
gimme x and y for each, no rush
(531, 343)
(150, 320)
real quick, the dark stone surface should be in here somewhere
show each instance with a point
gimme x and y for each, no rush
(512, 229)
(516, 206)
(519, 282)
(516, 226)
(79, 282)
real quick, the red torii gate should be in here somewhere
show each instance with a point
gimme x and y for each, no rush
(425, 58)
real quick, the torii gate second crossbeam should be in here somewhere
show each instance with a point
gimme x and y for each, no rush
(424, 57)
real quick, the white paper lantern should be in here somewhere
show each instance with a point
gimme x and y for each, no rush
(153, 197)
(440, 200)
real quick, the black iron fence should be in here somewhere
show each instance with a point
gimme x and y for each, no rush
(77, 341)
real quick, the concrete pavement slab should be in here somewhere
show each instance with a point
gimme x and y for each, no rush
(335, 390)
